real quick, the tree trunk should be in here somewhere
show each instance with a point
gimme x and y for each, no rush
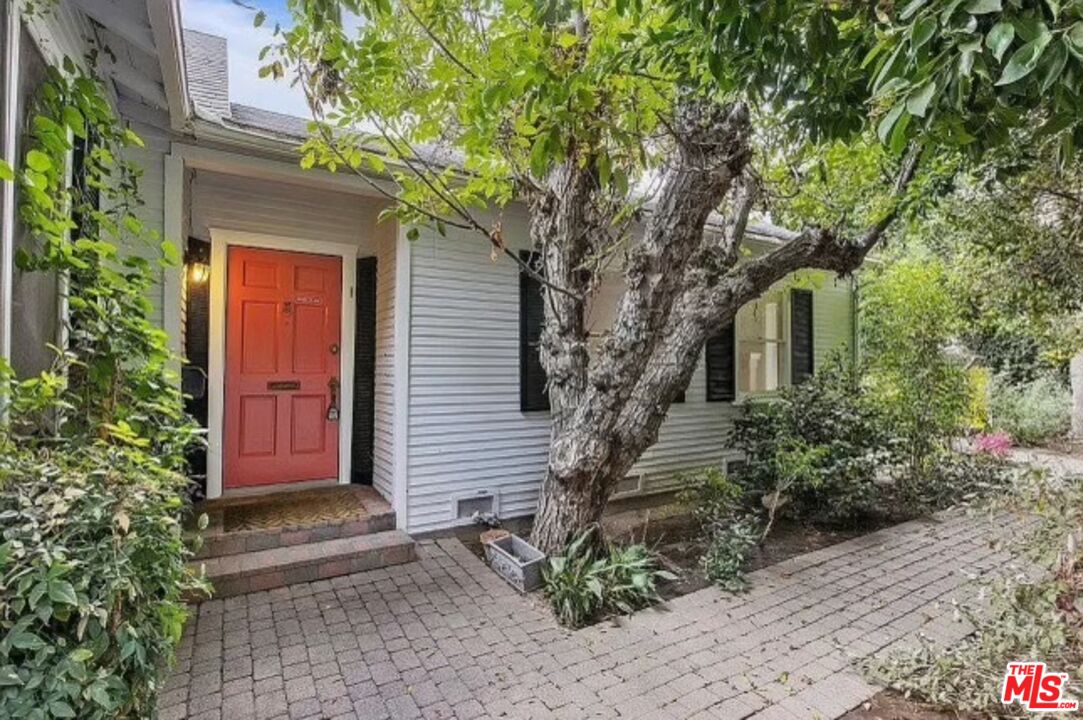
(1076, 372)
(682, 283)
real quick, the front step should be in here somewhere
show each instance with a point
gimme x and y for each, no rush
(299, 563)
(256, 523)
(219, 544)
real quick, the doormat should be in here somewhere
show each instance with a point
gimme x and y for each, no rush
(295, 509)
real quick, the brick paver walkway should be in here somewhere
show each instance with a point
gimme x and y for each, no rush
(445, 638)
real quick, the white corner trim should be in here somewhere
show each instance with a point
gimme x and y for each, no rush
(401, 387)
(220, 241)
(8, 142)
(173, 230)
(165, 26)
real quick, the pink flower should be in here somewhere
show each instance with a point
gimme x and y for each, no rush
(997, 444)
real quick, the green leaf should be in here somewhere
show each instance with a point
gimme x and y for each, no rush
(911, 8)
(413, 234)
(6, 173)
(1074, 39)
(39, 161)
(981, 7)
(923, 32)
(919, 100)
(61, 709)
(883, 130)
(26, 641)
(1000, 38)
(1053, 66)
(261, 17)
(170, 253)
(567, 40)
(81, 655)
(1023, 61)
(132, 138)
(61, 591)
(9, 676)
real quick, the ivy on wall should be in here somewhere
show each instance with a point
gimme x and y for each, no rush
(93, 557)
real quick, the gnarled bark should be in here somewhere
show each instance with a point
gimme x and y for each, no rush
(681, 283)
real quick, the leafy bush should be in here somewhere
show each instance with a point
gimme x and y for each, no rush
(1033, 412)
(93, 569)
(630, 578)
(822, 443)
(910, 316)
(710, 495)
(1027, 616)
(727, 554)
(955, 478)
(587, 580)
(92, 562)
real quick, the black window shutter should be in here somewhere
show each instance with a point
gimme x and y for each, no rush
(532, 392)
(721, 368)
(801, 348)
(364, 384)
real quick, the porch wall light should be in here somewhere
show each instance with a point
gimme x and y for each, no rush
(197, 261)
(198, 273)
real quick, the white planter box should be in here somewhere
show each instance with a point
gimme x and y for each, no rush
(517, 561)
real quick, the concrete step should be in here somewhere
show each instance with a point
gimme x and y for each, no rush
(220, 544)
(305, 562)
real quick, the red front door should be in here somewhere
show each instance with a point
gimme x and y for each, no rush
(282, 367)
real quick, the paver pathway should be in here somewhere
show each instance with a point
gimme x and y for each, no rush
(445, 638)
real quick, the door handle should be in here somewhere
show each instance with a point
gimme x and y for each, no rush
(332, 408)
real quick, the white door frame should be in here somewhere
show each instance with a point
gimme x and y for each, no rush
(221, 240)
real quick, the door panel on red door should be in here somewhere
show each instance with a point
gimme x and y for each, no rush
(283, 320)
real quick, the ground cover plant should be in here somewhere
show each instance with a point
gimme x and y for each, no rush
(589, 579)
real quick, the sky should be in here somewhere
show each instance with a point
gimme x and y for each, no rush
(233, 20)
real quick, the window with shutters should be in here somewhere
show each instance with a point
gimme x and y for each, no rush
(532, 392)
(802, 351)
(761, 345)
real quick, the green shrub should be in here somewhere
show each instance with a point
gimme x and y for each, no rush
(630, 578)
(1033, 412)
(587, 581)
(709, 495)
(822, 443)
(92, 562)
(93, 570)
(573, 583)
(955, 478)
(731, 543)
(909, 317)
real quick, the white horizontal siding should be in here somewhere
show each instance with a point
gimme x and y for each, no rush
(151, 214)
(383, 462)
(466, 431)
(232, 202)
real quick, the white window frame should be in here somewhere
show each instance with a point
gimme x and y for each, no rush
(785, 373)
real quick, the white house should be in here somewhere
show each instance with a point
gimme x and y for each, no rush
(337, 351)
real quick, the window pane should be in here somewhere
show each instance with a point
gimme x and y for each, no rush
(760, 366)
(761, 332)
